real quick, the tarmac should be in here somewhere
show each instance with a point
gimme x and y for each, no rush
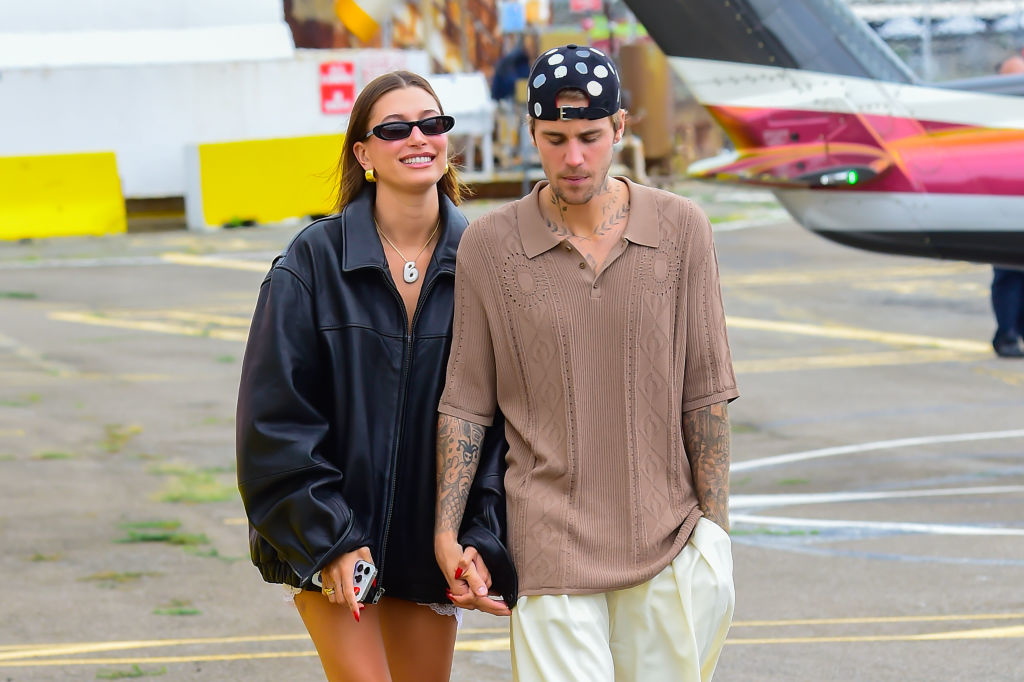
(877, 480)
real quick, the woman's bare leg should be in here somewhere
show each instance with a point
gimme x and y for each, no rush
(349, 651)
(419, 642)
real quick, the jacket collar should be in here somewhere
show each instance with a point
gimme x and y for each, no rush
(641, 225)
(361, 247)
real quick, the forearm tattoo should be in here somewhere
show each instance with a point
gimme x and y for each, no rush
(706, 437)
(458, 454)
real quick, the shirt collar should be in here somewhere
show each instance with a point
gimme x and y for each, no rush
(537, 237)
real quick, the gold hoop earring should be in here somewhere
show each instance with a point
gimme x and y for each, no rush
(446, 169)
(369, 175)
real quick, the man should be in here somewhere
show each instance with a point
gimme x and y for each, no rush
(590, 312)
(1008, 283)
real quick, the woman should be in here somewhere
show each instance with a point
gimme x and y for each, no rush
(337, 404)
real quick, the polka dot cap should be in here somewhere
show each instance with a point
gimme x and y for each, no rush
(573, 66)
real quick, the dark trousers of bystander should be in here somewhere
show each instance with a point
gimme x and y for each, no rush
(1008, 305)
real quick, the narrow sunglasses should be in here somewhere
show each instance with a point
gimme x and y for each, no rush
(399, 130)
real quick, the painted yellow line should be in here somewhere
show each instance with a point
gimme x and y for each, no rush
(208, 262)
(497, 644)
(148, 325)
(859, 334)
(158, 659)
(879, 619)
(849, 274)
(13, 652)
(95, 647)
(846, 361)
(993, 633)
(208, 318)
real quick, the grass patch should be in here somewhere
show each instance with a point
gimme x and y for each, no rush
(151, 525)
(23, 401)
(117, 436)
(743, 427)
(177, 607)
(19, 295)
(169, 537)
(6, 457)
(212, 553)
(39, 556)
(794, 481)
(197, 487)
(134, 671)
(51, 454)
(114, 578)
(771, 531)
(226, 359)
(737, 482)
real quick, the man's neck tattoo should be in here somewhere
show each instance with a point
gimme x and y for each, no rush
(613, 211)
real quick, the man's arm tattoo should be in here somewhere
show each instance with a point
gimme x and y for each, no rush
(706, 437)
(458, 453)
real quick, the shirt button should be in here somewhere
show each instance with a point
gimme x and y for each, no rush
(568, 248)
(582, 265)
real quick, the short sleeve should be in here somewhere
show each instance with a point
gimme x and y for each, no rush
(708, 376)
(470, 391)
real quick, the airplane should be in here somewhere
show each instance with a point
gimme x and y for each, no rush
(852, 143)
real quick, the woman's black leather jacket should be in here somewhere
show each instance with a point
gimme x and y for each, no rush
(337, 414)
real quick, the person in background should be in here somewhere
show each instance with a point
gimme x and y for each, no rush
(337, 404)
(590, 313)
(1008, 283)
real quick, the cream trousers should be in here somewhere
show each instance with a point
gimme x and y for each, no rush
(670, 628)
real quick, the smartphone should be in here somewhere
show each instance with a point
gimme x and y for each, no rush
(363, 576)
(362, 579)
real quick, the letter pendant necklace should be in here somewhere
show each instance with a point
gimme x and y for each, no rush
(409, 272)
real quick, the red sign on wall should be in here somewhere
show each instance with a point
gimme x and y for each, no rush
(580, 6)
(337, 87)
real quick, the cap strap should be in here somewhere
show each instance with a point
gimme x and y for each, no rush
(590, 113)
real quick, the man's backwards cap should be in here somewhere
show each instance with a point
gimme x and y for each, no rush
(572, 66)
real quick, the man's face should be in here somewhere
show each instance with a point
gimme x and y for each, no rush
(575, 154)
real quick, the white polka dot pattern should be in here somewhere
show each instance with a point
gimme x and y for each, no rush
(573, 67)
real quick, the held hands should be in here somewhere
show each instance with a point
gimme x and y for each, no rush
(336, 578)
(468, 578)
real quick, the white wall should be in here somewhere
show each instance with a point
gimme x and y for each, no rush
(148, 114)
(18, 16)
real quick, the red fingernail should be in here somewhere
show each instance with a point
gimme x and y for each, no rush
(458, 572)
(355, 614)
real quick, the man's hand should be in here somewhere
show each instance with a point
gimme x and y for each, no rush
(469, 581)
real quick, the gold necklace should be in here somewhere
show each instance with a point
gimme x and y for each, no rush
(409, 272)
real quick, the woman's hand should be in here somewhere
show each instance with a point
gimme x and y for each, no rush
(336, 579)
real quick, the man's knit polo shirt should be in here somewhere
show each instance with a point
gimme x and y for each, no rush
(593, 372)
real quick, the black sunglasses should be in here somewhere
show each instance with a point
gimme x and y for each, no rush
(399, 130)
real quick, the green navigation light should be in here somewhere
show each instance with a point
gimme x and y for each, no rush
(851, 177)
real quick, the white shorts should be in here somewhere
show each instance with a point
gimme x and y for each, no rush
(671, 627)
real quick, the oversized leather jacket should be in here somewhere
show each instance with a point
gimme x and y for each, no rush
(337, 417)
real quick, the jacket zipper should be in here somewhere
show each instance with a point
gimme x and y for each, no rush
(406, 366)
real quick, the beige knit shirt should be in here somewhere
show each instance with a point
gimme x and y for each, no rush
(593, 372)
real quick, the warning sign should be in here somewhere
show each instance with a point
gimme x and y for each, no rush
(337, 87)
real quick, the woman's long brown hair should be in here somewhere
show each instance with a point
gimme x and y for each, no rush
(351, 173)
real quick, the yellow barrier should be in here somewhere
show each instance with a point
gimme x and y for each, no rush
(268, 180)
(60, 195)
